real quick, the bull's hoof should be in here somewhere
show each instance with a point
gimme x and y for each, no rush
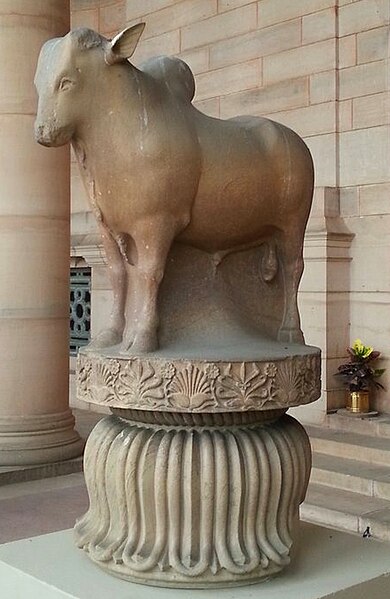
(106, 338)
(143, 343)
(291, 336)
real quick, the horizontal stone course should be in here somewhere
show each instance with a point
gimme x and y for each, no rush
(85, 18)
(138, 8)
(304, 60)
(224, 5)
(178, 15)
(374, 199)
(371, 111)
(319, 26)
(254, 44)
(167, 43)
(323, 87)
(113, 17)
(261, 100)
(224, 25)
(363, 80)
(347, 51)
(364, 156)
(310, 120)
(363, 15)
(373, 45)
(323, 149)
(198, 60)
(275, 11)
(349, 201)
(85, 4)
(228, 80)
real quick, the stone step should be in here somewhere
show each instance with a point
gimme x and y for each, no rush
(348, 511)
(368, 449)
(351, 475)
(379, 426)
(20, 474)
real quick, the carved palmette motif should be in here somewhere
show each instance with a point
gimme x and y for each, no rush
(193, 505)
(192, 387)
(198, 386)
(141, 382)
(250, 385)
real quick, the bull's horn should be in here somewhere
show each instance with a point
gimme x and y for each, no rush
(124, 44)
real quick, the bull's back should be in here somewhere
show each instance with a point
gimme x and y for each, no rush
(252, 180)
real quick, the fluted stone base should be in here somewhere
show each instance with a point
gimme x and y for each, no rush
(193, 500)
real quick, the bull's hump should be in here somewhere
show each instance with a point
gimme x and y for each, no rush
(174, 73)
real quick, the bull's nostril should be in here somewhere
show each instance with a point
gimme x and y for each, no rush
(40, 137)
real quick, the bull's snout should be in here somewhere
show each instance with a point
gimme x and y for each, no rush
(42, 135)
(51, 135)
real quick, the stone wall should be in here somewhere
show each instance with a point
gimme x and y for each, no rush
(320, 67)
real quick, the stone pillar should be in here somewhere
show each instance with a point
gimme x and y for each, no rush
(36, 425)
(324, 298)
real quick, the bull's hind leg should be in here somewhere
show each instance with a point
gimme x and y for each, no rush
(112, 334)
(291, 257)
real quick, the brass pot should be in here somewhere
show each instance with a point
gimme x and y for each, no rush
(358, 401)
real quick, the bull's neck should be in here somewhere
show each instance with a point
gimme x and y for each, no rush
(122, 101)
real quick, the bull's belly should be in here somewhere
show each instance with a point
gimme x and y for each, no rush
(221, 243)
(214, 230)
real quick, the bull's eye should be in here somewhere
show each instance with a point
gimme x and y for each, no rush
(65, 84)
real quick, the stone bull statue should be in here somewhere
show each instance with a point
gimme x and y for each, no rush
(158, 170)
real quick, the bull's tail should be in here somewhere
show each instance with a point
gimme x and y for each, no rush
(269, 262)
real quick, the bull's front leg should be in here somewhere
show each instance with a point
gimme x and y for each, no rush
(153, 241)
(117, 273)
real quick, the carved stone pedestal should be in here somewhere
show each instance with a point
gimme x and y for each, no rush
(197, 477)
(193, 500)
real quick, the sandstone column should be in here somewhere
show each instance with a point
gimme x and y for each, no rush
(36, 425)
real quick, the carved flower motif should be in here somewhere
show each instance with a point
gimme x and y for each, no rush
(247, 388)
(168, 371)
(270, 370)
(211, 371)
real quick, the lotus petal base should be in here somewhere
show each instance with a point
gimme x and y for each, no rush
(193, 500)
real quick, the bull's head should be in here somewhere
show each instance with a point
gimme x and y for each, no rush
(68, 74)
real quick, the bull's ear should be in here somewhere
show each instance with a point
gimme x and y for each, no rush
(124, 44)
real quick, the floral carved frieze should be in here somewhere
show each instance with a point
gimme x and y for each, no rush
(197, 386)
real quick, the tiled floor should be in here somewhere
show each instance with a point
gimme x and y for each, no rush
(37, 507)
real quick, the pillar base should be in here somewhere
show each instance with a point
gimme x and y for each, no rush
(38, 439)
(203, 500)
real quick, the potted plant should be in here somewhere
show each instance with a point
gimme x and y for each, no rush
(359, 376)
